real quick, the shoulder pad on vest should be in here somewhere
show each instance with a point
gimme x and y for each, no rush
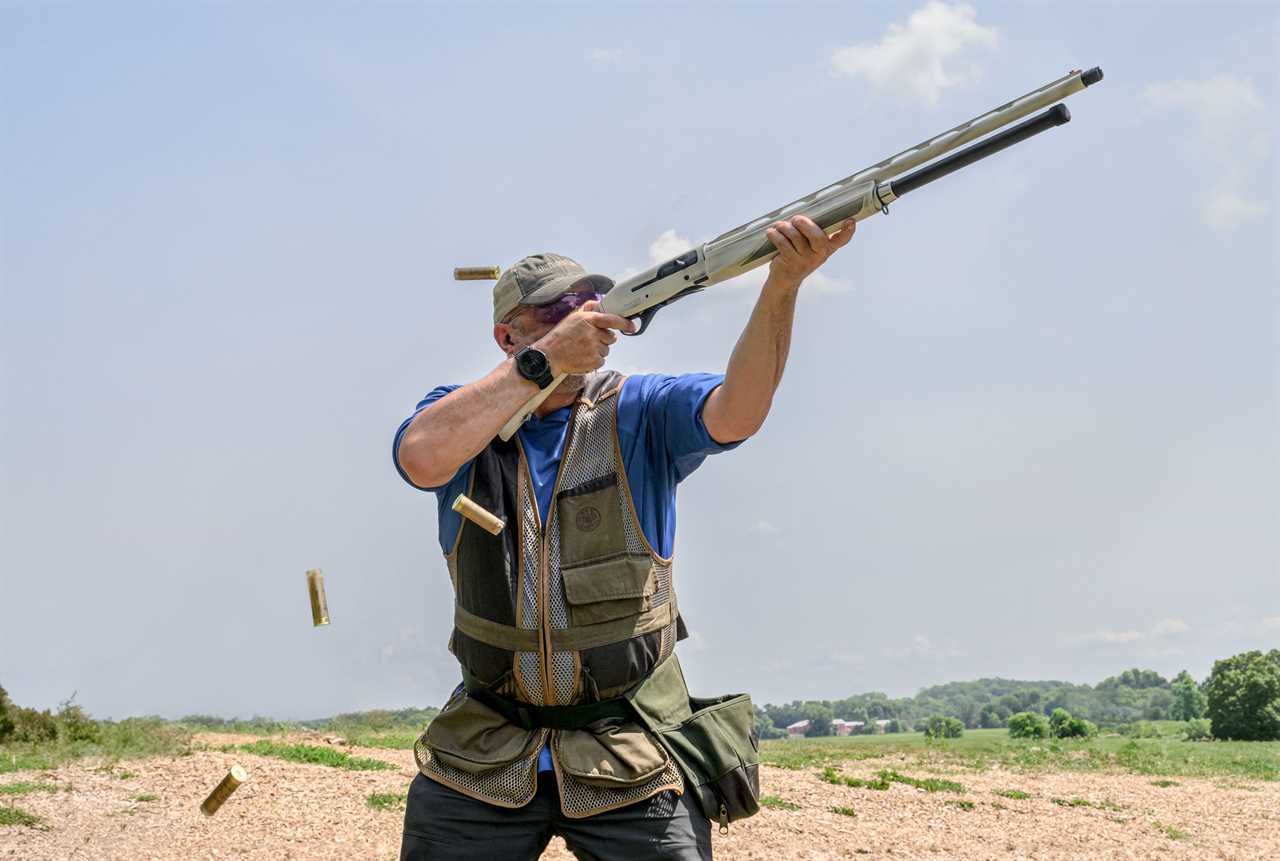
(600, 385)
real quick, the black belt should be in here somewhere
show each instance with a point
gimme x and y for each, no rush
(530, 716)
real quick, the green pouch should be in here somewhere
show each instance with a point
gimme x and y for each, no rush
(713, 740)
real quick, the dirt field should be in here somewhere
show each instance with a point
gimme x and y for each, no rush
(302, 812)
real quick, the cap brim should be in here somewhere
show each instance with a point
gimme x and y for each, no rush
(554, 289)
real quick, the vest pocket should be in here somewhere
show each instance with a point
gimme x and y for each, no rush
(612, 752)
(472, 737)
(589, 520)
(609, 589)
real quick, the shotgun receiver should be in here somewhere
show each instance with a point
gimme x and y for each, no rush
(859, 196)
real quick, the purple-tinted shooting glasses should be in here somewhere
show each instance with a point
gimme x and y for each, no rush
(561, 308)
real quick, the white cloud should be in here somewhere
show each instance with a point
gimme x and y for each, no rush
(605, 55)
(1113, 636)
(667, 245)
(922, 648)
(1271, 622)
(1165, 627)
(1231, 144)
(920, 60)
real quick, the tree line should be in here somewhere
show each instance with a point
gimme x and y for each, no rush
(1241, 696)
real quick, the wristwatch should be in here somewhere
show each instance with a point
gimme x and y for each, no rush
(533, 365)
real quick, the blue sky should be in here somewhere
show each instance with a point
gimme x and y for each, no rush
(1028, 427)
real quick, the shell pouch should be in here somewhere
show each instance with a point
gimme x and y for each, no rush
(713, 740)
(611, 752)
(472, 737)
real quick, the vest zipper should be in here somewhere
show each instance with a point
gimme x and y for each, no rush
(544, 573)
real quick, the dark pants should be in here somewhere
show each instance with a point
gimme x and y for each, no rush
(442, 824)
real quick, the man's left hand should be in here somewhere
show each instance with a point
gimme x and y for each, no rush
(803, 247)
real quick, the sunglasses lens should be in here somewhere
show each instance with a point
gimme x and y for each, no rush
(559, 309)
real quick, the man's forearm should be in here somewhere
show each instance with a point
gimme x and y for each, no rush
(457, 427)
(738, 408)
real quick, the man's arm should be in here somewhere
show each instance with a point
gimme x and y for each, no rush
(456, 428)
(738, 407)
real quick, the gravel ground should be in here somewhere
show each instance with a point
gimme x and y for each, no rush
(303, 812)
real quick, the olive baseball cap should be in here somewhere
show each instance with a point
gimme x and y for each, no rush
(541, 279)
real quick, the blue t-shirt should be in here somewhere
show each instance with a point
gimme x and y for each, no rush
(662, 437)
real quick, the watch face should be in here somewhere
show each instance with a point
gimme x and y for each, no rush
(532, 363)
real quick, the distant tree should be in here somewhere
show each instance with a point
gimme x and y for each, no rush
(1136, 679)
(1189, 701)
(940, 726)
(74, 724)
(990, 717)
(6, 715)
(765, 728)
(819, 716)
(1159, 703)
(1243, 694)
(894, 725)
(1028, 725)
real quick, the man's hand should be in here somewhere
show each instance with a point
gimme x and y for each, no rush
(803, 247)
(580, 342)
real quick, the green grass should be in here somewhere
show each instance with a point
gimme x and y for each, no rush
(963, 805)
(314, 755)
(1164, 784)
(776, 803)
(844, 811)
(1016, 794)
(135, 738)
(1171, 831)
(389, 740)
(386, 800)
(928, 784)
(1165, 755)
(146, 796)
(1084, 802)
(18, 816)
(830, 775)
(26, 788)
(126, 775)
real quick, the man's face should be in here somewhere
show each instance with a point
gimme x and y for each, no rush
(523, 329)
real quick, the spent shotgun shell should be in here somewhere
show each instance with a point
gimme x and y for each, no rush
(319, 606)
(477, 273)
(223, 790)
(477, 515)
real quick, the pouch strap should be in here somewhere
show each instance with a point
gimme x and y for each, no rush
(577, 638)
(529, 716)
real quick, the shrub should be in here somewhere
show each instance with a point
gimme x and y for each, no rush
(943, 727)
(1244, 696)
(1063, 725)
(1200, 729)
(1028, 725)
(33, 727)
(74, 724)
(1188, 699)
(6, 715)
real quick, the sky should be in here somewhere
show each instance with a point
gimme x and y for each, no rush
(1028, 426)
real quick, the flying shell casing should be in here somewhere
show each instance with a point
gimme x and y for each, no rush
(477, 273)
(319, 606)
(223, 790)
(477, 515)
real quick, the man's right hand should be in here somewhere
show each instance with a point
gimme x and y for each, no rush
(580, 342)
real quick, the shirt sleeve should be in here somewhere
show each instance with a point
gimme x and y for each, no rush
(431, 397)
(674, 407)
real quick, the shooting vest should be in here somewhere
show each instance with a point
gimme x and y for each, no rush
(578, 612)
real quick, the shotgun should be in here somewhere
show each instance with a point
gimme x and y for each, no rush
(859, 196)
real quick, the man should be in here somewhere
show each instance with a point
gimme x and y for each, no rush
(572, 605)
